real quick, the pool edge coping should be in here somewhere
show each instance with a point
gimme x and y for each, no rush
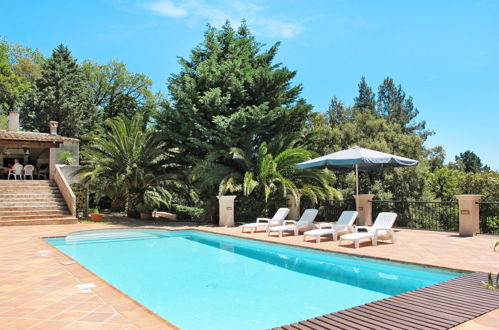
(170, 325)
(296, 246)
(42, 241)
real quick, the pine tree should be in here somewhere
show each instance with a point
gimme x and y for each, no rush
(230, 93)
(468, 161)
(366, 100)
(399, 109)
(62, 94)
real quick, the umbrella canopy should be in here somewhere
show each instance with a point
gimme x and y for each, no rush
(365, 159)
(360, 159)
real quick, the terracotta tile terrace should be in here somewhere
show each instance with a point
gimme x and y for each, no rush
(38, 291)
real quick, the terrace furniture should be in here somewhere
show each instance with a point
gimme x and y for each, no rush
(342, 226)
(42, 172)
(28, 171)
(304, 223)
(17, 172)
(276, 220)
(380, 230)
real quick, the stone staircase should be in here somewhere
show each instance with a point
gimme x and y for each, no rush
(32, 202)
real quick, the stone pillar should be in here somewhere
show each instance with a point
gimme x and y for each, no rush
(365, 209)
(294, 208)
(469, 214)
(53, 159)
(226, 211)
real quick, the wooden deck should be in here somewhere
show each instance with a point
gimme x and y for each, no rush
(440, 306)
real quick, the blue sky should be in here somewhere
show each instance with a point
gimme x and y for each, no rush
(444, 53)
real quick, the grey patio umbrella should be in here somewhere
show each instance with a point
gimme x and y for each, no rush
(358, 159)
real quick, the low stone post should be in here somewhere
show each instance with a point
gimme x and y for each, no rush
(226, 211)
(469, 214)
(365, 209)
(294, 208)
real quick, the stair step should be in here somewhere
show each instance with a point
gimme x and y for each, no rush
(36, 216)
(32, 222)
(40, 211)
(30, 204)
(26, 182)
(10, 195)
(21, 188)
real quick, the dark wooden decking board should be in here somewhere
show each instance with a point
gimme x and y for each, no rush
(404, 310)
(440, 306)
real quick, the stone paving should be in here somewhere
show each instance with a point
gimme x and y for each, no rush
(37, 291)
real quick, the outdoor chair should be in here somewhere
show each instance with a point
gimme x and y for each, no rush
(28, 171)
(18, 172)
(276, 220)
(380, 230)
(342, 226)
(42, 172)
(304, 223)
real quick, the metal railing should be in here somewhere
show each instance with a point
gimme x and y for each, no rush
(442, 216)
(489, 217)
(328, 210)
(248, 209)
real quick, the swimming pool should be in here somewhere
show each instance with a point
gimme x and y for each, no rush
(199, 280)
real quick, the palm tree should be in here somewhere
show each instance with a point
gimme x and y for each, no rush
(267, 176)
(126, 156)
(260, 174)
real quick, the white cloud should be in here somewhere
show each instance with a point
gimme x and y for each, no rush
(276, 28)
(217, 12)
(167, 8)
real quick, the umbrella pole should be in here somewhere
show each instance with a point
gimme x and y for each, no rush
(357, 186)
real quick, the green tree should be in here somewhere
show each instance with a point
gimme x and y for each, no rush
(468, 161)
(445, 183)
(62, 94)
(117, 91)
(11, 84)
(26, 62)
(229, 92)
(19, 67)
(3, 122)
(124, 157)
(266, 173)
(399, 108)
(345, 127)
(366, 99)
(436, 157)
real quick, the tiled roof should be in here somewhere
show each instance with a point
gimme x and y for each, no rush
(34, 136)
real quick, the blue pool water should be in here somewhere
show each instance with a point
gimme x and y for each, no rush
(199, 280)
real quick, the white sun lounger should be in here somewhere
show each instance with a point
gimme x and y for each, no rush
(342, 226)
(276, 220)
(304, 223)
(380, 230)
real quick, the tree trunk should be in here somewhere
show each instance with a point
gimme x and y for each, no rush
(133, 200)
(118, 205)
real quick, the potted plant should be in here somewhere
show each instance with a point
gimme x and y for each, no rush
(96, 216)
(145, 211)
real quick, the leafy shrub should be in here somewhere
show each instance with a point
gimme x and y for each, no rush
(66, 158)
(493, 225)
(188, 213)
